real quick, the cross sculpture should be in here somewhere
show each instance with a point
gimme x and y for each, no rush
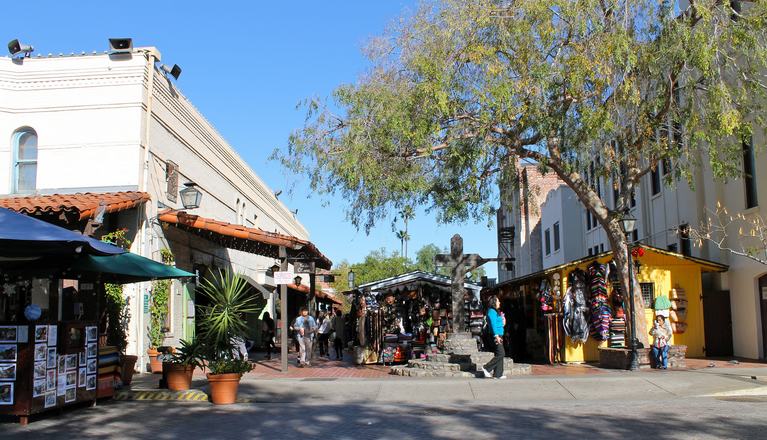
(459, 264)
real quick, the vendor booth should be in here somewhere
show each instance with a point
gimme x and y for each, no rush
(576, 312)
(407, 316)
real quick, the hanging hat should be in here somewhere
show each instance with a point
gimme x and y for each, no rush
(662, 303)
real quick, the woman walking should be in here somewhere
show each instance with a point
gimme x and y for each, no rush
(267, 334)
(326, 326)
(496, 323)
(338, 334)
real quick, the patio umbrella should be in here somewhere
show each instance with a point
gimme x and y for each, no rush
(23, 236)
(124, 268)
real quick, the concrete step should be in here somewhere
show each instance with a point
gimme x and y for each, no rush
(402, 370)
(434, 366)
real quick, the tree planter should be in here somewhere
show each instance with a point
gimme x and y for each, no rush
(127, 368)
(154, 364)
(178, 377)
(223, 388)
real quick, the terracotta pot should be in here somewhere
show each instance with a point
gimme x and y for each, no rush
(223, 388)
(154, 364)
(127, 368)
(179, 377)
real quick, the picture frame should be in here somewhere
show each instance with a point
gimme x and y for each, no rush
(40, 370)
(92, 366)
(6, 393)
(50, 381)
(41, 352)
(71, 379)
(91, 350)
(50, 399)
(39, 387)
(8, 333)
(41, 333)
(70, 362)
(52, 335)
(81, 376)
(51, 358)
(62, 364)
(90, 382)
(61, 384)
(70, 395)
(7, 372)
(91, 333)
(8, 352)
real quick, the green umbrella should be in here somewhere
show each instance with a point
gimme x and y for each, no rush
(125, 268)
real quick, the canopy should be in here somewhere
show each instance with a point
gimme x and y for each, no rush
(125, 268)
(24, 236)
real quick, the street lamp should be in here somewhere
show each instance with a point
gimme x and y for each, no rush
(297, 280)
(350, 278)
(629, 223)
(275, 268)
(190, 196)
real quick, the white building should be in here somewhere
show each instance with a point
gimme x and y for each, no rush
(116, 124)
(562, 237)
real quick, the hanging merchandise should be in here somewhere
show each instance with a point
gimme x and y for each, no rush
(662, 306)
(678, 313)
(545, 296)
(618, 322)
(575, 309)
(600, 310)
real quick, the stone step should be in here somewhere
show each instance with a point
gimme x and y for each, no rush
(404, 370)
(434, 366)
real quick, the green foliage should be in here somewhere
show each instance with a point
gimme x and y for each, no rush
(158, 312)
(190, 353)
(116, 305)
(223, 320)
(225, 366)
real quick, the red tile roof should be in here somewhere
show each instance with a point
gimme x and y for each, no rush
(79, 205)
(243, 238)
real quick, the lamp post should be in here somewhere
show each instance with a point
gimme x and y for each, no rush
(629, 223)
(350, 279)
(190, 196)
(297, 280)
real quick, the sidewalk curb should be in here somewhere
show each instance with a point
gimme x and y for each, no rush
(758, 391)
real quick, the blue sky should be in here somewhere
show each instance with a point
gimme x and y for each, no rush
(246, 65)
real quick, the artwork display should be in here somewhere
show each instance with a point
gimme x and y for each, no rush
(7, 372)
(6, 393)
(91, 350)
(81, 378)
(50, 399)
(62, 363)
(40, 370)
(71, 362)
(91, 366)
(70, 395)
(71, 378)
(51, 358)
(50, 381)
(61, 385)
(39, 387)
(82, 359)
(91, 382)
(41, 333)
(8, 333)
(8, 352)
(52, 335)
(22, 334)
(41, 352)
(91, 334)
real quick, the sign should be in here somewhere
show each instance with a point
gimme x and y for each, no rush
(284, 277)
(303, 266)
(146, 303)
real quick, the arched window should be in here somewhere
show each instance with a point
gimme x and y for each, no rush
(24, 173)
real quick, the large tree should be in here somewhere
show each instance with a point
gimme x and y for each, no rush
(462, 90)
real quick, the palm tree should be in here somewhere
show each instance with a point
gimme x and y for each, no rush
(403, 237)
(407, 213)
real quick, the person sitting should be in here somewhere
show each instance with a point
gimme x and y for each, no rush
(661, 333)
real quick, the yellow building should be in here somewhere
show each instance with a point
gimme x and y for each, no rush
(659, 272)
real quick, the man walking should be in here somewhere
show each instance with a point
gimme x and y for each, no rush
(306, 327)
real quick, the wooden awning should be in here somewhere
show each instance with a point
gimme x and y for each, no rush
(243, 238)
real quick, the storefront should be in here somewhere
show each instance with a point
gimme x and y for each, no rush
(567, 313)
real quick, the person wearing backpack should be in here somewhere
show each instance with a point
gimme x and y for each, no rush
(495, 321)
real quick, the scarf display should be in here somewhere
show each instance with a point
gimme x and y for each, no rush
(575, 309)
(600, 310)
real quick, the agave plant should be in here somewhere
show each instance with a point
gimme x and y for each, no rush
(223, 320)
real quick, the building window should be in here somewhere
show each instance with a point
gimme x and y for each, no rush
(749, 173)
(655, 179)
(595, 250)
(684, 239)
(547, 241)
(601, 247)
(648, 294)
(24, 149)
(634, 235)
(588, 220)
(556, 236)
(590, 252)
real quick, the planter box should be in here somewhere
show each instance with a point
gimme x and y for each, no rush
(620, 358)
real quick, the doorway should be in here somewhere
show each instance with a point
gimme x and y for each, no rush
(717, 322)
(763, 312)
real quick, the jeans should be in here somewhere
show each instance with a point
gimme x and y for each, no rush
(660, 354)
(496, 363)
(305, 350)
(324, 345)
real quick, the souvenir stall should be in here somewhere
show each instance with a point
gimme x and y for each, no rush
(407, 316)
(573, 312)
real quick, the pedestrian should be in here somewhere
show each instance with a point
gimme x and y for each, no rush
(306, 327)
(294, 333)
(496, 322)
(267, 334)
(338, 334)
(661, 333)
(326, 327)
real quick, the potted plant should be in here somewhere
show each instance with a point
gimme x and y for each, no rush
(222, 324)
(179, 368)
(158, 312)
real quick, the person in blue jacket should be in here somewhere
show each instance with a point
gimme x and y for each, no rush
(496, 323)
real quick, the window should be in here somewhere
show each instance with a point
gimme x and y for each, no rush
(588, 220)
(634, 235)
(556, 236)
(590, 252)
(547, 241)
(595, 250)
(684, 239)
(601, 247)
(655, 179)
(648, 294)
(749, 173)
(24, 173)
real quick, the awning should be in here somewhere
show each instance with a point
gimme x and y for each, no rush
(243, 238)
(23, 236)
(125, 268)
(74, 207)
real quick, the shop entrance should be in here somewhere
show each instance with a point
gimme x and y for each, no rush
(763, 308)
(717, 323)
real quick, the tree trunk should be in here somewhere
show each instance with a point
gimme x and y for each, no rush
(620, 257)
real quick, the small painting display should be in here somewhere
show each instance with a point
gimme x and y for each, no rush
(82, 359)
(70, 395)
(22, 334)
(50, 381)
(91, 350)
(8, 352)
(51, 358)
(40, 370)
(91, 366)
(52, 335)
(90, 382)
(7, 371)
(6, 393)
(62, 363)
(91, 333)
(50, 399)
(61, 384)
(41, 333)
(8, 333)
(70, 362)
(39, 387)
(41, 352)
(71, 378)
(81, 378)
